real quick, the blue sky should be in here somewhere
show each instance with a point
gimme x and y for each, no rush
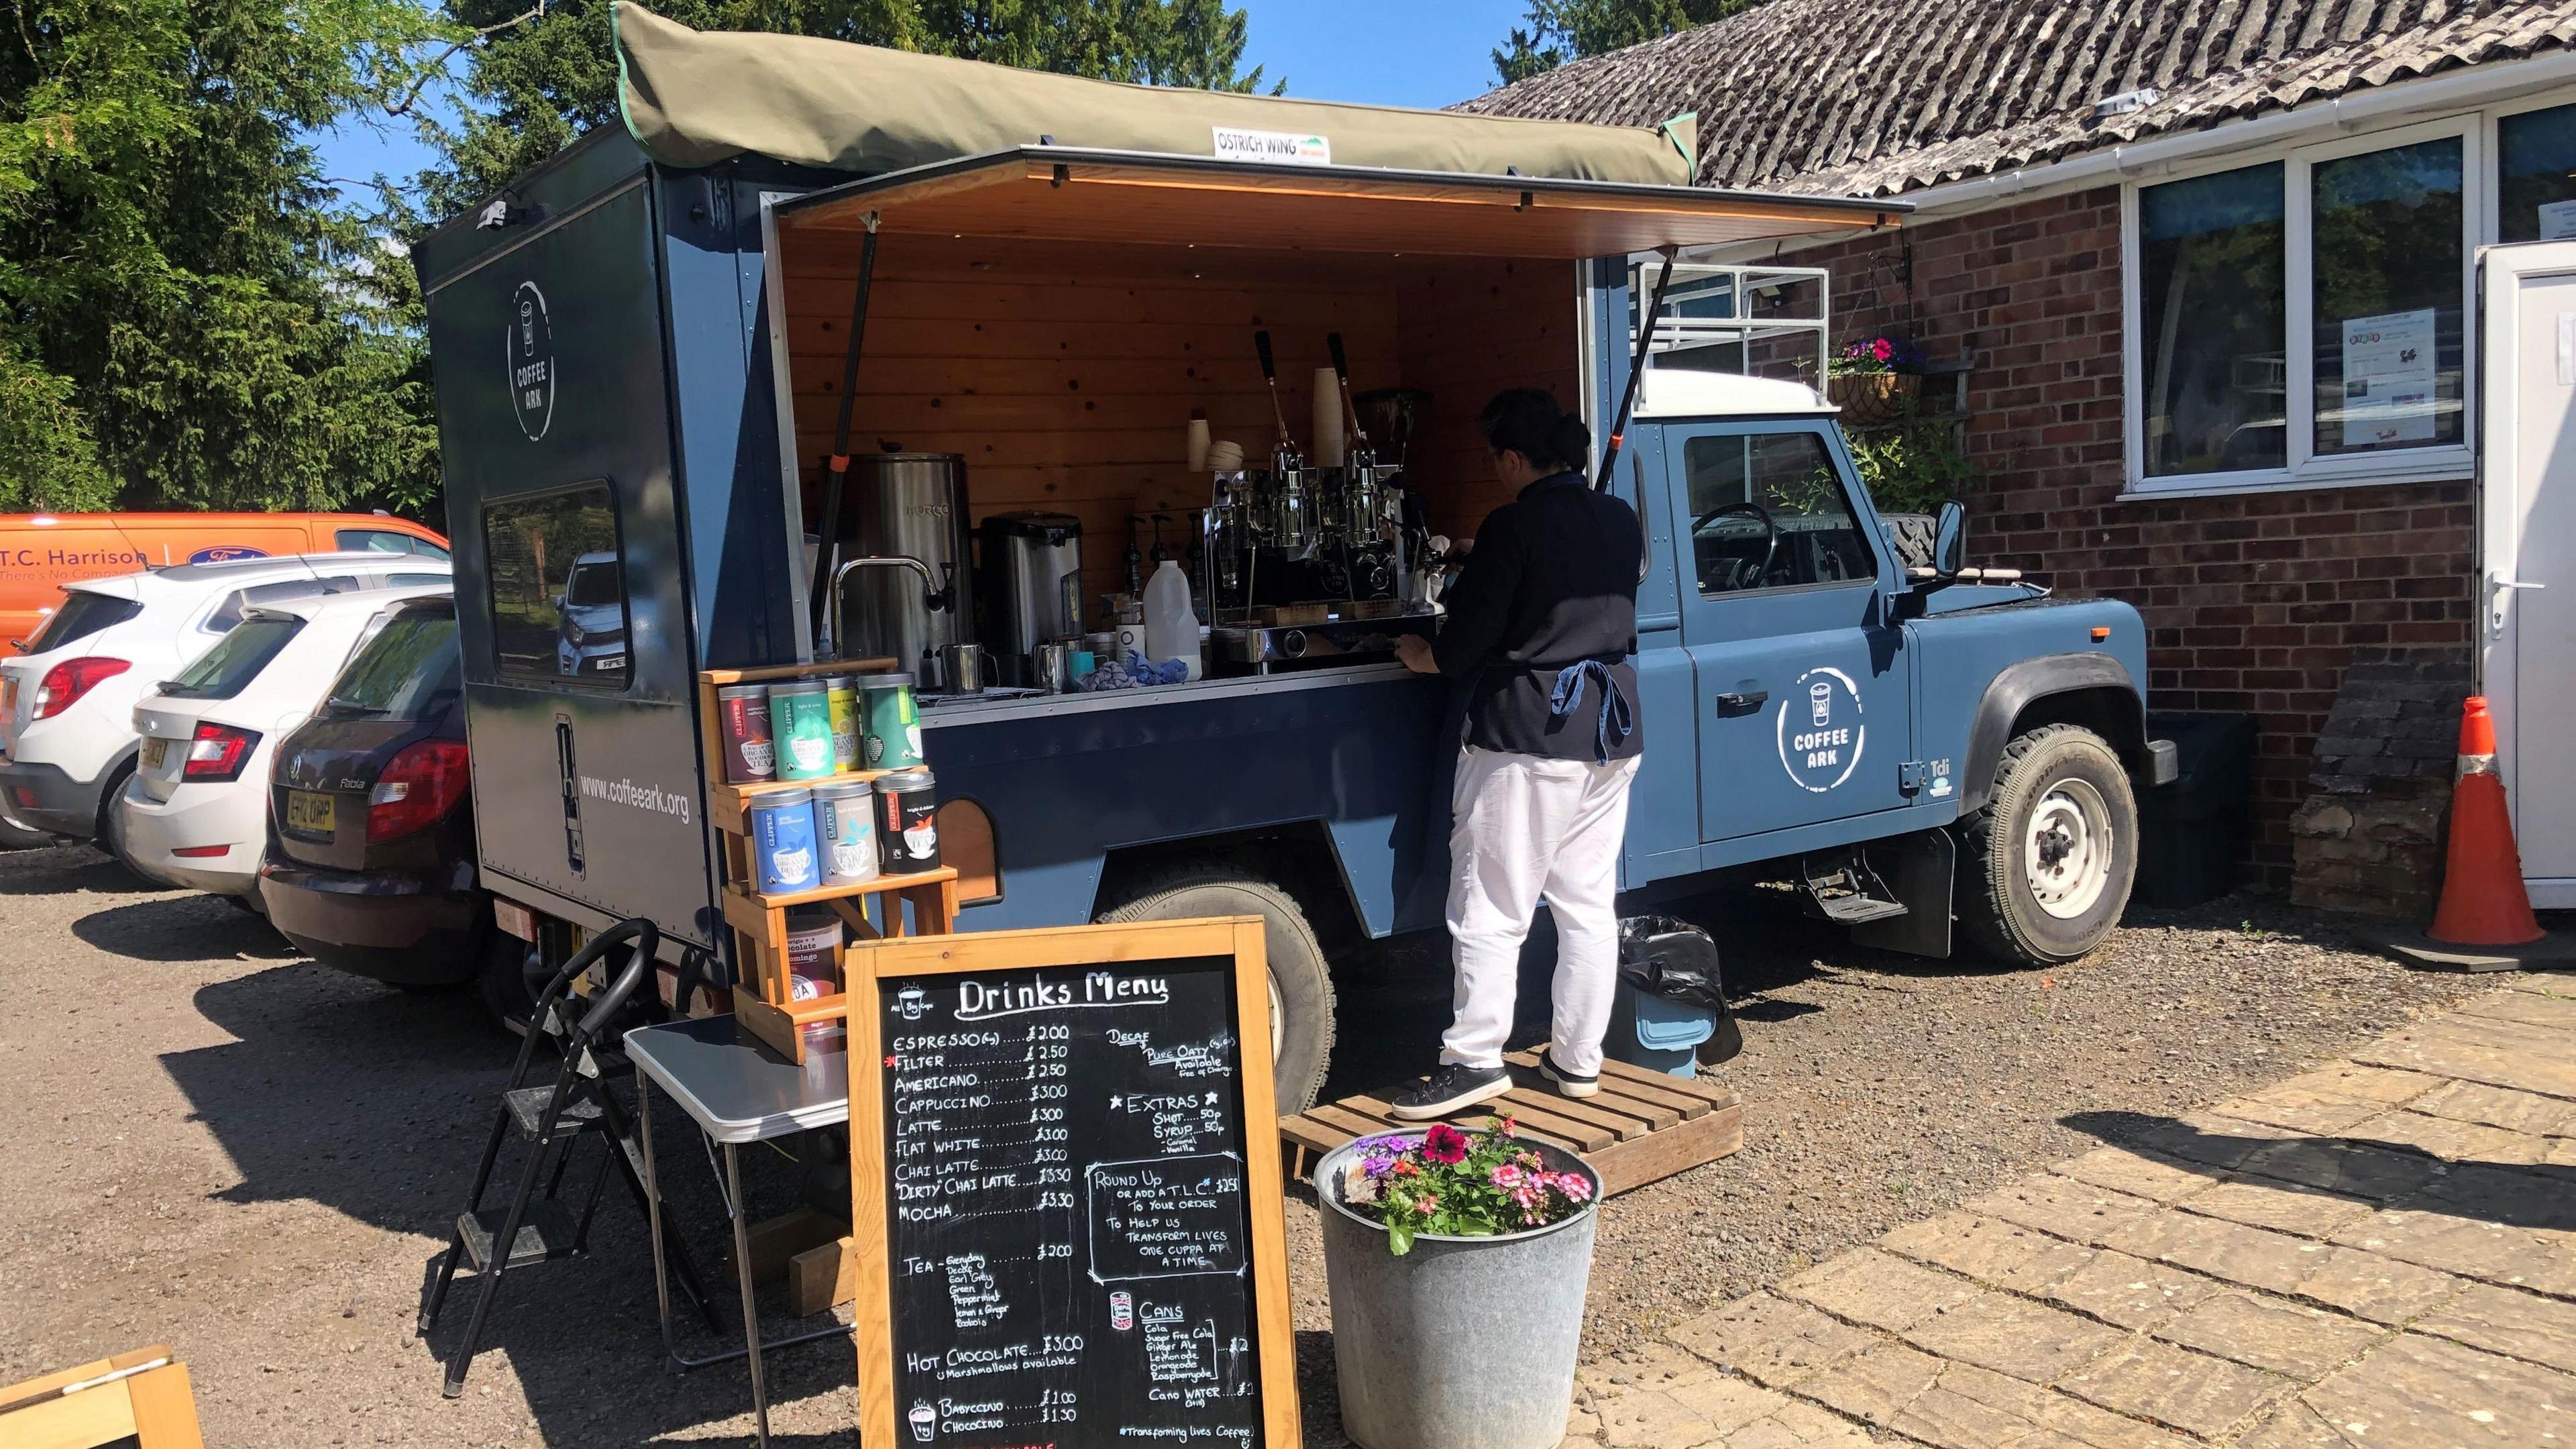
(1387, 52)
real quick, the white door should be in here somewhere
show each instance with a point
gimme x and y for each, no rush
(2526, 595)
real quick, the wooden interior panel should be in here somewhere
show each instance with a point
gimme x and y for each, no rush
(1066, 373)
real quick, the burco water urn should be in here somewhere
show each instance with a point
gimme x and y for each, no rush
(1031, 572)
(913, 596)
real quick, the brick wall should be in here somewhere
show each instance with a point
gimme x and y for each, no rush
(2253, 603)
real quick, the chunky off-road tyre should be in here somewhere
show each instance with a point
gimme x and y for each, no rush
(1301, 983)
(2045, 865)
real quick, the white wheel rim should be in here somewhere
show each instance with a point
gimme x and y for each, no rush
(1278, 1018)
(2066, 849)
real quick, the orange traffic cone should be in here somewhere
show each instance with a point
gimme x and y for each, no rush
(2483, 903)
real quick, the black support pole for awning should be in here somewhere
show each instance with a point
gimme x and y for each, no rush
(837, 468)
(1636, 374)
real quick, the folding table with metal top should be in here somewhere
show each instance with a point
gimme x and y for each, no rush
(737, 1090)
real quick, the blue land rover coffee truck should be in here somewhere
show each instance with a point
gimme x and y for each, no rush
(800, 271)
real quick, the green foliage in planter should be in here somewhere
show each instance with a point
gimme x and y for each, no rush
(1913, 466)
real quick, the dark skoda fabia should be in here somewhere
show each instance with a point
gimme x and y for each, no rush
(370, 864)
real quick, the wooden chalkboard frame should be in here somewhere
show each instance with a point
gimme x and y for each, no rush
(1237, 937)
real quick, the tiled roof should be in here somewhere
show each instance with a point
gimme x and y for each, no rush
(1877, 97)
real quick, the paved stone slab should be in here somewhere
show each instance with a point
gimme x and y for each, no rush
(1989, 1250)
(2064, 1207)
(2450, 1139)
(2545, 981)
(1771, 1340)
(1650, 1419)
(2213, 1141)
(2504, 1320)
(2497, 1107)
(1799, 1426)
(2353, 1168)
(1959, 1406)
(1727, 1402)
(2370, 1286)
(2428, 1393)
(2293, 1426)
(2540, 1201)
(2450, 1055)
(2467, 1247)
(2248, 1256)
(1881, 1290)
(2529, 1008)
(2301, 1110)
(2547, 1042)
(2131, 1293)
(2192, 1392)
(2287, 1338)
(2284, 1207)
(2012, 1335)
(2139, 1174)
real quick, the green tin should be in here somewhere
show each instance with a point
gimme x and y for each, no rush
(845, 721)
(892, 733)
(800, 720)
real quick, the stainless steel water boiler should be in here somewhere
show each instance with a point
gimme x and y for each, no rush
(911, 595)
(1031, 571)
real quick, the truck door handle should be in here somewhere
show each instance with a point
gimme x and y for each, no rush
(1741, 701)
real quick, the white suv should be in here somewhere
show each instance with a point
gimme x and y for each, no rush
(195, 811)
(67, 742)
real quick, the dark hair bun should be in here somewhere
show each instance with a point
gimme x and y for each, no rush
(1527, 421)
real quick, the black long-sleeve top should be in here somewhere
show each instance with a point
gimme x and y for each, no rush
(1551, 582)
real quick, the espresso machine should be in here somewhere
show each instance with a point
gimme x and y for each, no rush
(1304, 563)
(1030, 569)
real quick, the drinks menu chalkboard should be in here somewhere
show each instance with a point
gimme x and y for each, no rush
(1074, 1243)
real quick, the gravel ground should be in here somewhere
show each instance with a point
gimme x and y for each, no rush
(214, 1143)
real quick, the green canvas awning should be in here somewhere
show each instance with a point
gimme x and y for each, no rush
(695, 98)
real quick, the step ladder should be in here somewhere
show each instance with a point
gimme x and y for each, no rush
(552, 1121)
(1842, 888)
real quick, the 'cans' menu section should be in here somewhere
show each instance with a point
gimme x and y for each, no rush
(1069, 1241)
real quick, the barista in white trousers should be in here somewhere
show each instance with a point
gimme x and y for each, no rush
(1540, 629)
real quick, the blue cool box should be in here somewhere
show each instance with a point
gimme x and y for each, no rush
(1650, 1031)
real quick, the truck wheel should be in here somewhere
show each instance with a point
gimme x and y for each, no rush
(2048, 859)
(1301, 985)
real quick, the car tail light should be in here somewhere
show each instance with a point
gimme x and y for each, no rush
(416, 789)
(218, 753)
(65, 683)
(201, 852)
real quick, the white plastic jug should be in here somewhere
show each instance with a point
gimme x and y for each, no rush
(1171, 626)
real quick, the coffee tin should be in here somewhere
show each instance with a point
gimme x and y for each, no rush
(782, 842)
(800, 716)
(845, 721)
(743, 711)
(908, 822)
(845, 827)
(892, 733)
(813, 934)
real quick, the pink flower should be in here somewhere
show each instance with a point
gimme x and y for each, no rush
(1881, 348)
(1575, 1186)
(1444, 1144)
(1508, 1176)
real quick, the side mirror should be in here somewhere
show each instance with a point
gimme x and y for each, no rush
(1950, 540)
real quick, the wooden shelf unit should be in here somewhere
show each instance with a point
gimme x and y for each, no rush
(923, 903)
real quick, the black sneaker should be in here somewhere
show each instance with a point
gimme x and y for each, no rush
(1454, 1086)
(1568, 1084)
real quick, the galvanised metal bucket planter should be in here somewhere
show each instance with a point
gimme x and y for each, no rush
(1462, 1343)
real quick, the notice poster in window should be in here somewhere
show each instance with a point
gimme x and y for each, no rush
(2557, 220)
(2388, 379)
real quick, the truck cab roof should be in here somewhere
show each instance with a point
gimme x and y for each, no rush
(1680, 392)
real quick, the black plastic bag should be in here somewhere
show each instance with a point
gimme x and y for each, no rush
(1673, 959)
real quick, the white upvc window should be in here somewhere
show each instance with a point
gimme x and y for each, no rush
(2303, 320)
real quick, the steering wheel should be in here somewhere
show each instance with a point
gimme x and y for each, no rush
(1759, 514)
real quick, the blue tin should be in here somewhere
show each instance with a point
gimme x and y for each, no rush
(782, 842)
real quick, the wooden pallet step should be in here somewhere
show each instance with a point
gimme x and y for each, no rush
(1646, 1088)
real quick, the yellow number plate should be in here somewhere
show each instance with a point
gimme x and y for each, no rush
(154, 752)
(311, 811)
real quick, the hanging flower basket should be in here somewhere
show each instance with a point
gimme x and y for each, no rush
(1873, 397)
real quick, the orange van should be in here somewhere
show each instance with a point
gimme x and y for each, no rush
(41, 552)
